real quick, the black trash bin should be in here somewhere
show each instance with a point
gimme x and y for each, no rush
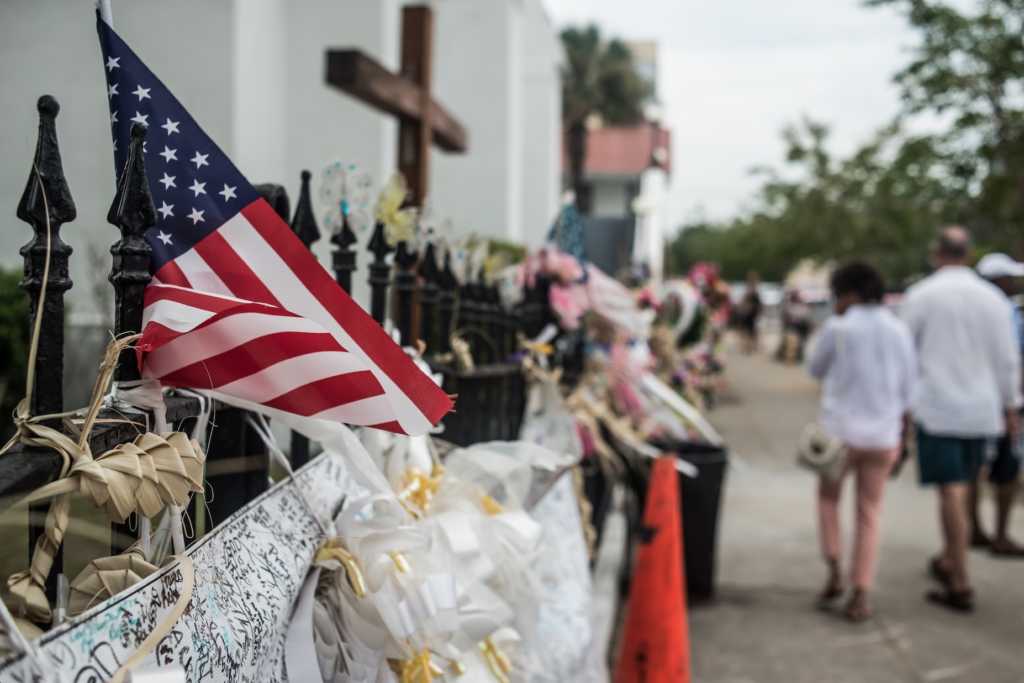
(700, 503)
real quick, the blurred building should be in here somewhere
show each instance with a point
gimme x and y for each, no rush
(626, 173)
(252, 74)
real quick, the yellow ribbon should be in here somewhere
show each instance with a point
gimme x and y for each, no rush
(538, 348)
(400, 562)
(497, 661)
(332, 549)
(399, 223)
(420, 668)
(535, 373)
(494, 263)
(462, 353)
(419, 488)
(586, 511)
(490, 506)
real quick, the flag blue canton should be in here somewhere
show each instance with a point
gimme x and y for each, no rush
(195, 187)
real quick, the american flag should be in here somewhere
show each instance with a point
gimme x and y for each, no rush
(238, 305)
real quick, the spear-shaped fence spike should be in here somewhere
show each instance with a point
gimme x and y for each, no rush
(344, 256)
(47, 164)
(46, 193)
(448, 286)
(277, 197)
(380, 272)
(378, 244)
(304, 222)
(428, 269)
(344, 238)
(405, 288)
(429, 274)
(133, 213)
(46, 204)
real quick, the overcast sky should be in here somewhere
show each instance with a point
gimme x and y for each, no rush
(732, 73)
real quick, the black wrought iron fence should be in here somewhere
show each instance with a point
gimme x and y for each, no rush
(431, 311)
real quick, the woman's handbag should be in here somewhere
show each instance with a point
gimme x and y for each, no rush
(821, 452)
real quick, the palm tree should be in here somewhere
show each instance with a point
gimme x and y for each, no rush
(598, 77)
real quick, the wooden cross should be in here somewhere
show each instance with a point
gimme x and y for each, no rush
(405, 95)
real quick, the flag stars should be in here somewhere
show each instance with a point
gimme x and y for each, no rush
(166, 210)
(142, 93)
(168, 181)
(142, 119)
(228, 192)
(113, 63)
(169, 154)
(196, 216)
(112, 90)
(198, 187)
(113, 117)
(200, 160)
(171, 126)
(164, 237)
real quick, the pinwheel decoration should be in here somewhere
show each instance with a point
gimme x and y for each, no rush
(346, 191)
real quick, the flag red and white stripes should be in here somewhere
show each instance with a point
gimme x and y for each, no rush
(275, 337)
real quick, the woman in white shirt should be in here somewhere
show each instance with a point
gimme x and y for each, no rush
(866, 363)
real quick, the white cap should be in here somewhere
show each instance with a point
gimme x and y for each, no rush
(997, 265)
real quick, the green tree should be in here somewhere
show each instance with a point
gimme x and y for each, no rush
(598, 77)
(881, 203)
(968, 67)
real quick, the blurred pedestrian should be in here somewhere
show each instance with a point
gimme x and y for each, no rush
(865, 360)
(1003, 470)
(969, 393)
(796, 328)
(748, 312)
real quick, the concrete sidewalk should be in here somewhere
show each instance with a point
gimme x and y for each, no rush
(763, 628)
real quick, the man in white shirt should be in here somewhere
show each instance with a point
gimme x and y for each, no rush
(968, 392)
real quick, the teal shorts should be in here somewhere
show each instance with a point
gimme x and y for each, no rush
(948, 459)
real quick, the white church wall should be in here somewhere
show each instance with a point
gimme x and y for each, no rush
(518, 33)
(51, 47)
(325, 124)
(474, 62)
(542, 112)
(259, 139)
(258, 89)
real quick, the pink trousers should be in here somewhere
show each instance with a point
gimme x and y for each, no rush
(871, 469)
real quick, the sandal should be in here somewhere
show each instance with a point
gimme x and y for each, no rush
(827, 597)
(857, 609)
(1006, 548)
(957, 601)
(980, 540)
(940, 573)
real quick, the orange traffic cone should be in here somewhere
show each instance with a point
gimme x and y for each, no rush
(656, 642)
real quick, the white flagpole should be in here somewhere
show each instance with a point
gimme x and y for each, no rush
(105, 14)
(145, 525)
